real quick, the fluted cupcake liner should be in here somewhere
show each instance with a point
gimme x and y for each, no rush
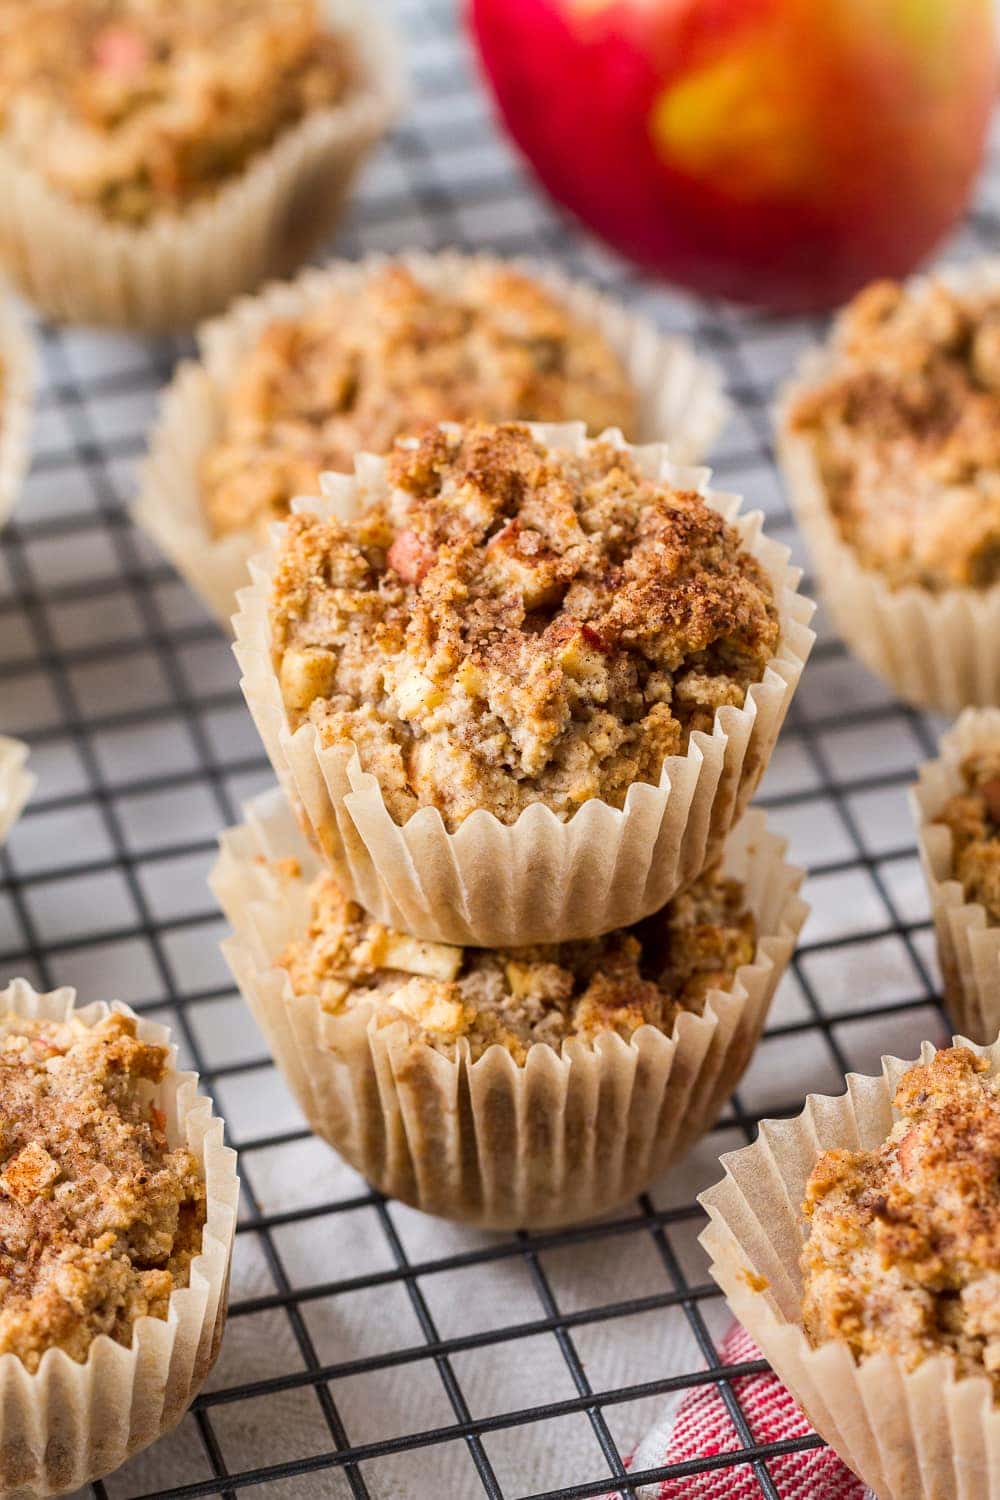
(679, 394)
(17, 389)
(539, 879)
(919, 1435)
(968, 942)
(70, 1423)
(939, 651)
(16, 783)
(78, 267)
(568, 1134)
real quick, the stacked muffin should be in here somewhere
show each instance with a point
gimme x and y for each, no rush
(518, 685)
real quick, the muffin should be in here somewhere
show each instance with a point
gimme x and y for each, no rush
(344, 360)
(891, 447)
(956, 806)
(117, 1209)
(157, 158)
(16, 783)
(521, 682)
(17, 383)
(903, 1254)
(438, 1070)
(858, 1245)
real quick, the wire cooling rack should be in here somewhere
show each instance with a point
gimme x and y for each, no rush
(372, 1352)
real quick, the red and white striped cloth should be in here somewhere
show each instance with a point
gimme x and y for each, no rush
(700, 1427)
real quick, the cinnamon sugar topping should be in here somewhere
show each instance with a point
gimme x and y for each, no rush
(516, 624)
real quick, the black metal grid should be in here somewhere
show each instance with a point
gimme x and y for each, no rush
(372, 1352)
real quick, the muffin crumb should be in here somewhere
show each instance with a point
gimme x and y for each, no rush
(903, 1255)
(645, 975)
(906, 433)
(136, 108)
(972, 816)
(99, 1218)
(516, 624)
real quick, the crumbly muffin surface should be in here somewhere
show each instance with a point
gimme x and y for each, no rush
(906, 432)
(903, 1255)
(645, 975)
(369, 365)
(973, 818)
(514, 624)
(137, 107)
(99, 1219)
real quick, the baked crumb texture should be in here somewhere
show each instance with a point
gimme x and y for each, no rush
(645, 976)
(138, 107)
(370, 363)
(516, 624)
(972, 816)
(99, 1218)
(903, 1255)
(906, 434)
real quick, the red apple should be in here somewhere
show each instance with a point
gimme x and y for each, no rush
(780, 152)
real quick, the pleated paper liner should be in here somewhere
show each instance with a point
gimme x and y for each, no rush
(940, 651)
(538, 880)
(568, 1134)
(79, 267)
(70, 1423)
(17, 389)
(917, 1436)
(968, 941)
(16, 783)
(680, 399)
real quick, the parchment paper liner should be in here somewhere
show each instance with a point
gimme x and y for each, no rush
(918, 1436)
(17, 388)
(16, 783)
(79, 267)
(538, 880)
(680, 397)
(968, 943)
(71, 1423)
(563, 1137)
(940, 651)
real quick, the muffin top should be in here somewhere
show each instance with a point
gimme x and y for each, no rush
(514, 624)
(903, 1255)
(906, 432)
(973, 818)
(99, 1219)
(390, 357)
(137, 107)
(641, 976)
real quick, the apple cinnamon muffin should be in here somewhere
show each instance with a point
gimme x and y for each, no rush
(99, 1218)
(903, 1255)
(905, 429)
(643, 976)
(972, 816)
(516, 624)
(137, 108)
(371, 363)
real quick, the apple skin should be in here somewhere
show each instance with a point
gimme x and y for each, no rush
(776, 152)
